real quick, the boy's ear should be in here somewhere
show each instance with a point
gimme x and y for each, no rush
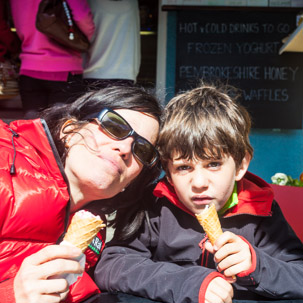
(169, 180)
(243, 167)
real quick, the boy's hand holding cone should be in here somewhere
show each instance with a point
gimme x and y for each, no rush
(209, 220)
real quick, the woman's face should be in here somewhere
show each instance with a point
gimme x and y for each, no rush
(99, 167)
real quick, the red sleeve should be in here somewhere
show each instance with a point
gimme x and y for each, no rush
(253, 261)
(7, 294)
(205, 284)
(94, 249)
(84, 288)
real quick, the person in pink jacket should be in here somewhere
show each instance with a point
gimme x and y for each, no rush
(49, 72)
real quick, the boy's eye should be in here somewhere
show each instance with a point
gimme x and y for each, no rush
(214, 164)
(183, 167)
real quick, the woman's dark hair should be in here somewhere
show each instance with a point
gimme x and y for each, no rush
(127, 218)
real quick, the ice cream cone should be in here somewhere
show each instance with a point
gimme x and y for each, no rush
(82, 229)
(209, 220)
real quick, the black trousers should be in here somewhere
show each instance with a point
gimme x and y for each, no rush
(37, 94)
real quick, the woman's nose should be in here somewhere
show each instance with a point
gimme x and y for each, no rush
(125, 147)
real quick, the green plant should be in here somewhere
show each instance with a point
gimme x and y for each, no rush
(283, 179)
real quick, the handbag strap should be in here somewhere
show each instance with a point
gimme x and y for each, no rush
(71, 35)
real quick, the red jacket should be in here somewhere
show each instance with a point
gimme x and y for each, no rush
(34, 208)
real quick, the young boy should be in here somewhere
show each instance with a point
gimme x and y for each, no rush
(205, 150)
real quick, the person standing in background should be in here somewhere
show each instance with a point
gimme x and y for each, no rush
(115, 53)
(49, 72)
(9, 42)
(9, 55)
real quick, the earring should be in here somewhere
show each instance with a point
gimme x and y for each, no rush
(123, 189)
(66, 139)
(66, 145)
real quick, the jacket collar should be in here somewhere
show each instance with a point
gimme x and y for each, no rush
(254, 194)
(35, 135)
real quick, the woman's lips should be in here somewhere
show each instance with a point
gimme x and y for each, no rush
(113, 163)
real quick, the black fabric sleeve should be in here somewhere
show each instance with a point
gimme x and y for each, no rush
(131, 267)
(279, 254)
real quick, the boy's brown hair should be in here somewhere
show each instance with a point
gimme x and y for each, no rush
(205, 123)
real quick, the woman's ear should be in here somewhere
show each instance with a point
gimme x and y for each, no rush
(242, 169)
(66, 127)
(66, 131)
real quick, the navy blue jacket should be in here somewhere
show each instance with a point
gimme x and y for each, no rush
(166, 261)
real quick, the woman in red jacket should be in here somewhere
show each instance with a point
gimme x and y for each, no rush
(77, 156)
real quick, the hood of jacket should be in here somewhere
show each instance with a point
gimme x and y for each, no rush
(255, 196)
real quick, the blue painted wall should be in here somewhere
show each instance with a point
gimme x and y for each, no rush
(274, 150)
(277, 151)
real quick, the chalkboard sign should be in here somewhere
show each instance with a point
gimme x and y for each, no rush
(242, 48)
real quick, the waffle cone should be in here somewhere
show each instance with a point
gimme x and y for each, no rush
(81, 231)
(209, 220)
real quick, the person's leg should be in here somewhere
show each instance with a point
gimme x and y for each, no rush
(33, 96)
(61, 92)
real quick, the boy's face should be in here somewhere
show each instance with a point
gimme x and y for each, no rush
(201, 182)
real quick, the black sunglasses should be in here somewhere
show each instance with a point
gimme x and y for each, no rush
(116, 127)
